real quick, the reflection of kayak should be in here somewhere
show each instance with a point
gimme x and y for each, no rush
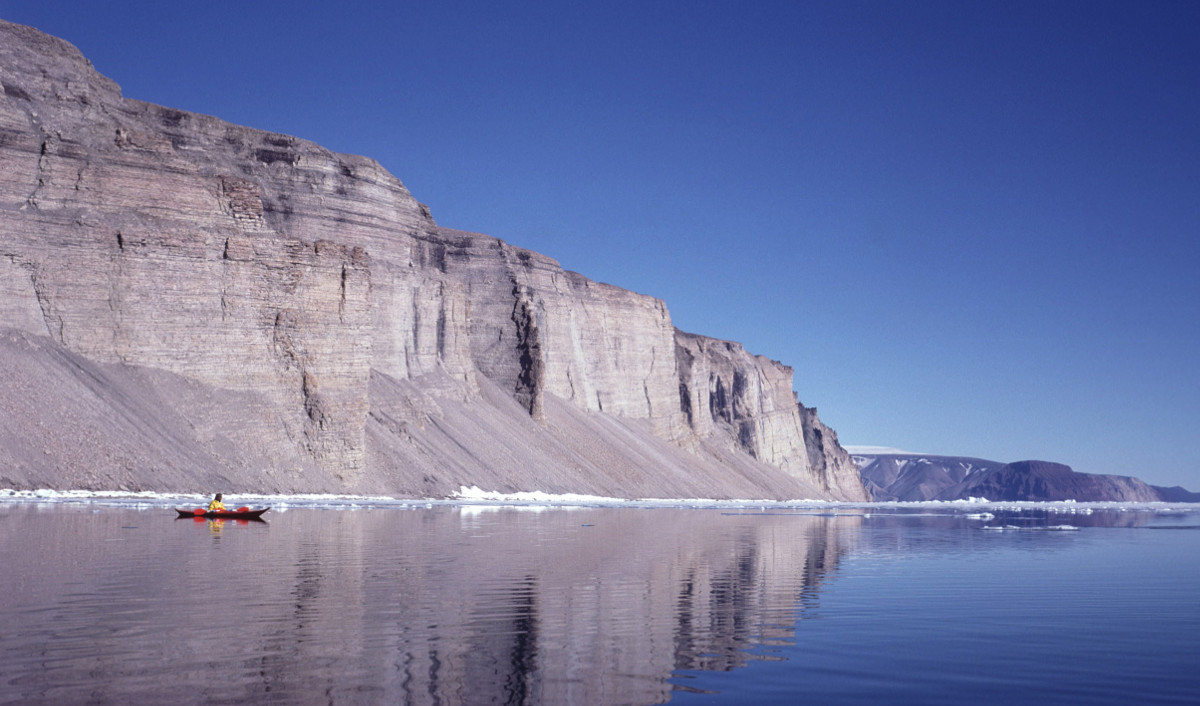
(242, 513)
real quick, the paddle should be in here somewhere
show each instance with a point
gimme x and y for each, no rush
(198, 511)
(242, 509)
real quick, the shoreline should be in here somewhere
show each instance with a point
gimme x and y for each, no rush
(474, 497)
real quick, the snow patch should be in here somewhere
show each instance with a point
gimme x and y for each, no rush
(1015, 528)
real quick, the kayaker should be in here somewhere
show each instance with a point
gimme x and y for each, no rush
(216, 505)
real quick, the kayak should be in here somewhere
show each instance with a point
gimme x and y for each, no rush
(242, 513)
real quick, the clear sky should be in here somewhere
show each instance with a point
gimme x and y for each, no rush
(973, 228)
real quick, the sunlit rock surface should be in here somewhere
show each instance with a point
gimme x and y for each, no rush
(186, 303)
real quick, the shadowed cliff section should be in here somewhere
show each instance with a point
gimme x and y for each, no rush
(216, 306)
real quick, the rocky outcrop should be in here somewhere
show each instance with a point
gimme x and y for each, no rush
(342, 339)
(923, 477)
(747, 402)
(826, 456)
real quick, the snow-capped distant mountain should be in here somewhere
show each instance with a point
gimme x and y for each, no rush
(911, 477)
(916, 477)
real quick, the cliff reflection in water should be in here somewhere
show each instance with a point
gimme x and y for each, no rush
(444, 605)
(579, 607)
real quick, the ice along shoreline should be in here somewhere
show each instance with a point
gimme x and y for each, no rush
(474, 496)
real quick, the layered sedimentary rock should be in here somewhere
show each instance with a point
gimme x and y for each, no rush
(747, 401)
(294, 319)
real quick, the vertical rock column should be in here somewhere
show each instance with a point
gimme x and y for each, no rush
(530, 383)
(744, 401)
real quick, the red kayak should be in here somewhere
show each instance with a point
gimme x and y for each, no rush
(242, 513)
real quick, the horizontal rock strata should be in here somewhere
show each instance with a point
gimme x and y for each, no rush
(214, 306)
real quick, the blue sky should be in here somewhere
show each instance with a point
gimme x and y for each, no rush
(972, 228)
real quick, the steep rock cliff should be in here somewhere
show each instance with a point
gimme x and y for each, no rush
(345, 340)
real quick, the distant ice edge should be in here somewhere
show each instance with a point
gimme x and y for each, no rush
(474, 496)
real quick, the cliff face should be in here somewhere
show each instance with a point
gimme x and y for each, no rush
(336, 337)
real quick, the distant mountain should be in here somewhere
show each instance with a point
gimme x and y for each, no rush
(916, 477)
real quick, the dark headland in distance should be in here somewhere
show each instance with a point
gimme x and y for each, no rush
(909, 477)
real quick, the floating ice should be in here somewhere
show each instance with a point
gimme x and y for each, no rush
(1015, 528)
(475, 495)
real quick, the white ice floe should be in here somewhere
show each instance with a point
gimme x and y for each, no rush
(475, 496)
(1016, 528)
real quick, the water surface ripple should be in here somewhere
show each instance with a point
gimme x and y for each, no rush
(466, 605)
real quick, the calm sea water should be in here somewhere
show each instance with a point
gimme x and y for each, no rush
(467, 605)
